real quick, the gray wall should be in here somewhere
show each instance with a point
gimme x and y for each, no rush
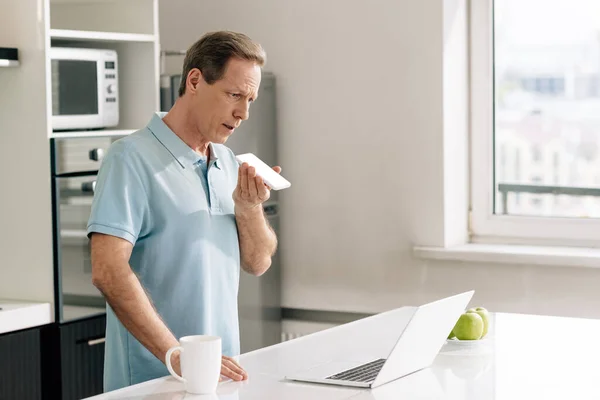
(360, 116)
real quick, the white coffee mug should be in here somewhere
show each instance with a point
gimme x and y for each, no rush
(200, 363)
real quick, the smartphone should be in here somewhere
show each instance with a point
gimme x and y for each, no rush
(270, 177)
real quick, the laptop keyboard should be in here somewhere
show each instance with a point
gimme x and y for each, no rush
(363, 373)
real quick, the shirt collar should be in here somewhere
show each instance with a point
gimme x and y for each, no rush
(183, 153)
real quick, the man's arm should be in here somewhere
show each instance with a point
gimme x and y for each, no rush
(113, 276)
(258, 241)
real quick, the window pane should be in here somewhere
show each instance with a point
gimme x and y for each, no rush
(547, 107)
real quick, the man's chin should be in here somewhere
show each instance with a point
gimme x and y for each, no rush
(223, 138)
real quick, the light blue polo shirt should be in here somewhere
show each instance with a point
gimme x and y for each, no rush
(157, 193)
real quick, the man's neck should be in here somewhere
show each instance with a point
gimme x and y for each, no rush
(177, 120)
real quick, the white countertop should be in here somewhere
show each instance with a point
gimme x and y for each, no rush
(525, 357)
(16, 315)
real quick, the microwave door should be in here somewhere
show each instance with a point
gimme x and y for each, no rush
(75, 98)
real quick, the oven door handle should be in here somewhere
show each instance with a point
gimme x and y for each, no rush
(95, 342)
(88, 187)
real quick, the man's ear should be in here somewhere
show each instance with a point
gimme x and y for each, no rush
(193, 79)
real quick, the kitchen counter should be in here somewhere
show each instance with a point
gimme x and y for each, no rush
(523, 357)
(16, 315)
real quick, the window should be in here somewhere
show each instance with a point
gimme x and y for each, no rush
(503, 160)
(536, 153)
(549, 86)
(556, 168)
(535, 89)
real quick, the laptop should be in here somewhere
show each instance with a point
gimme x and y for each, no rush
(415, 349)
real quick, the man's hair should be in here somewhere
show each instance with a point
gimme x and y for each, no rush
(213, 50)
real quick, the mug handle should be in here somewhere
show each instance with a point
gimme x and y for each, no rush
(168, 362)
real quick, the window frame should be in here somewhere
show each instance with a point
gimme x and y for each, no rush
(485, 226)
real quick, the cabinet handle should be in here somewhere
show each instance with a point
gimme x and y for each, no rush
(96, 154)
(94, 342)
(88, 187)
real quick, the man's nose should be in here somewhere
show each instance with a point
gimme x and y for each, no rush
(243, 112)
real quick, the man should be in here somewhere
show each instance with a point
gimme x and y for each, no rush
(174, 217)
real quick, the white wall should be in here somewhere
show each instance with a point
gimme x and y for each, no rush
(26, 271)
(360, 91)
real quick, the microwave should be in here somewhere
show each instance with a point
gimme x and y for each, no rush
(85, 91)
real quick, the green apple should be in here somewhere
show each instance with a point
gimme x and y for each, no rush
(451, 335)
(483, 313)
(469, 326)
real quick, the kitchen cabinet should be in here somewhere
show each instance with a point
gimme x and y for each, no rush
(73, 359)
(71, 353)
(20, 365)
(34, 27)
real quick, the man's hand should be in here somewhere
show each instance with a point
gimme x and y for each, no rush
(176, 362)
(251, 190)
(258, 241)
(229, 368)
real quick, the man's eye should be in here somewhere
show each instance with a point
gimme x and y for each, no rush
(235, 95)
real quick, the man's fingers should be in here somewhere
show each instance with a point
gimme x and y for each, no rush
(277, 169)
(232, 360)
(238, 188)
(239, 176)
(263, 188)
(228, 373)
(243, 174)
(234, 367)
(252, 190)
(226, 370)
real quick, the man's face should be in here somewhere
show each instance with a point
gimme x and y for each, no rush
(221, 107)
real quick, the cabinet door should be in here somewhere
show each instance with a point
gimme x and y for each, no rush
(20, 368)
(82, 358)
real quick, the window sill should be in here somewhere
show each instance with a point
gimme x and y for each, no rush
(514, 254)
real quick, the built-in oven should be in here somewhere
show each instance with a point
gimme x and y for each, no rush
(75, 164)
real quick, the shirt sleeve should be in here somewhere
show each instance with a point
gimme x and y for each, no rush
(120, 203)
